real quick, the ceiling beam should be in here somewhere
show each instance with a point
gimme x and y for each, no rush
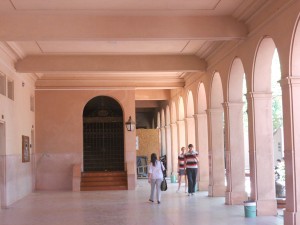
(151, 95)
(41, 26)
(147, 104)
(109, 63)
(120, 84)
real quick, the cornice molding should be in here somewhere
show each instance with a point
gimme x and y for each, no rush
(226, 48)
(46, 83)
(7, 51)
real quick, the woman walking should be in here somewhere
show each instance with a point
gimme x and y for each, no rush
(155, 177)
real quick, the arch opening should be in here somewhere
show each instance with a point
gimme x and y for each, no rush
(217, 150)
(103, 135)
(237, 135)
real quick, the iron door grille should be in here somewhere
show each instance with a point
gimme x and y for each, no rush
(103, 144)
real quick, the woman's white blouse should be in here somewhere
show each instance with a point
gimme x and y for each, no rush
(156, 170)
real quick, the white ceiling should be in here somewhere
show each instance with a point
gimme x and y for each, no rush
(120, 8)
(32, 27)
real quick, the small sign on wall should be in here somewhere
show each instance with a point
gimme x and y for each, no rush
(137, 142)
(25, 149)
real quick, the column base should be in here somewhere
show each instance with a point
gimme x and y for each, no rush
(203, 185)
(216, 190)
(291, 218)
(76, 179)
(76, 184)
(266, 207)
(131, 181)
(235, 198)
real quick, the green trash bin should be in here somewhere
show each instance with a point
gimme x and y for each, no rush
(173, 179)
(250, 209)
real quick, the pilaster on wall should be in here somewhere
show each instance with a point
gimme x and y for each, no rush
(261, 152)
(291, 123)
(201, 146)
(216, 154)
(235, 163)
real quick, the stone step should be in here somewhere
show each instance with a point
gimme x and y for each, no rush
(99, 181)
(103, 174)
(104, 188)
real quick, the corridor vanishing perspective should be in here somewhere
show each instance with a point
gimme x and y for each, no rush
(233, 133)
(90, 89)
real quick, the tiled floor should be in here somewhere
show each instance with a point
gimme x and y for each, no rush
(126, 208)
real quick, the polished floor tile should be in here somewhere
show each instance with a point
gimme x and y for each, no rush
(127, 208)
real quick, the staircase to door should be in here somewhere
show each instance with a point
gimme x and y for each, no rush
(100, 181)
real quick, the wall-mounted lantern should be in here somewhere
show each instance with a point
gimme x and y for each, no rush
(130, 124)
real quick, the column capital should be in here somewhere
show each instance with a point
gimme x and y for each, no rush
(259, 95)
(201, 113)
(173, 126)
(289, 81)
(180, 121)
(188, 118)
(227, 105)
(198, 115)
(215, 110)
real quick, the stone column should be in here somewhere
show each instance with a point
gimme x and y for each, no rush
(159, 140)
(169, 152)
(181, 133)
(216, 154)
(291, 123)
(174, 148)
(235, 156)
(201, 146)
(190, 130)
(163, 141)
(261, 152)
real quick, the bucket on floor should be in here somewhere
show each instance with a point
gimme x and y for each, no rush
(173, 179)
(250, 209)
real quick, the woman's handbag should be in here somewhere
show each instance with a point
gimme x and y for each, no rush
(163, 186)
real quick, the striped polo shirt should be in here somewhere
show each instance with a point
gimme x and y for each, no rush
(190, 158)
(181, 161)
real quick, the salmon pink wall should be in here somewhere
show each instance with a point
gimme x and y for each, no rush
(16, 119)
(59, 137)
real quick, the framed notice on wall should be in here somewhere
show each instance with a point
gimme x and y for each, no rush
(25, 149)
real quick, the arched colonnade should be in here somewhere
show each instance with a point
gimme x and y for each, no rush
(208, 112)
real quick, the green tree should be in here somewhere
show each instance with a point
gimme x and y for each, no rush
(276, 93)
